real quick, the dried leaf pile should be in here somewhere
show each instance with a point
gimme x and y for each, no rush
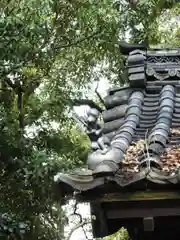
(131, 160)
(170, 158)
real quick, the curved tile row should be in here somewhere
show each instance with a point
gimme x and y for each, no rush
(159, 135)
(117, 98)
(116, 104)
(148, 117)
(124, 135)
(109, 127)
(114, 113)
(159, 111)
(175, 140)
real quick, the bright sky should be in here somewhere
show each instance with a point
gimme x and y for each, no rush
(102, 90)
(84, 211)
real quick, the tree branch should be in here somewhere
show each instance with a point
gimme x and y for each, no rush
(76, 227)
(97, 33)
(8, 81)
(98, 94)
(81, 222)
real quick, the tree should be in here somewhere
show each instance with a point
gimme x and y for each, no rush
(41, 49)
(50, 50)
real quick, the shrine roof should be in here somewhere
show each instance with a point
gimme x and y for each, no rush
(142, 121)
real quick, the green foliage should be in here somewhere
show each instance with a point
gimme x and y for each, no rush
(121, 234)
(50, 50)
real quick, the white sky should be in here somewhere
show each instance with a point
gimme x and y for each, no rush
(84, 211)
(102, 90)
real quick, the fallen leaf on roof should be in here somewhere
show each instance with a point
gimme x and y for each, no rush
(170, 158)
